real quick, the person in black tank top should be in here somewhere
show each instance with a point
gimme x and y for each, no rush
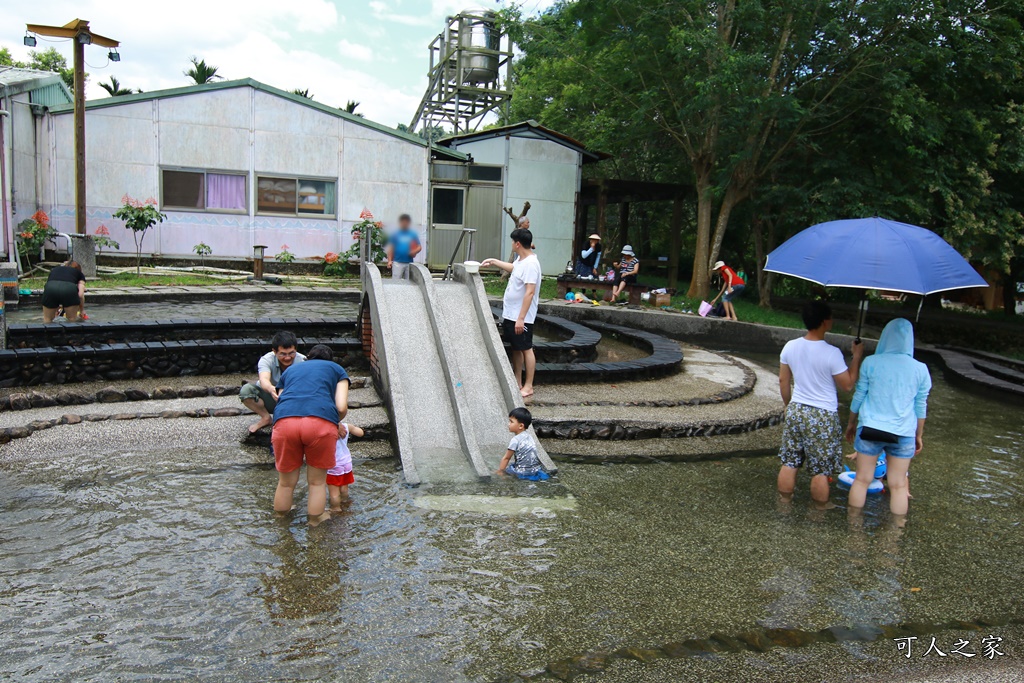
(64, 287)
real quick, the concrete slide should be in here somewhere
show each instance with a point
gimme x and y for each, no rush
(444, 374)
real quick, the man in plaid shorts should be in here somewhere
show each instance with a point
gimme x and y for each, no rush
(812, 435)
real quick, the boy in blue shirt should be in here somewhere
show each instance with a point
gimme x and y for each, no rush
(402, 248)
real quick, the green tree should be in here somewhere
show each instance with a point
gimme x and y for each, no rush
(728, 87)
(6, 59)
(304, 92)
(201, 72)
(52, 60)
(114, 88)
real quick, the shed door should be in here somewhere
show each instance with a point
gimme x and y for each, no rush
(447, 216)
(483, 213)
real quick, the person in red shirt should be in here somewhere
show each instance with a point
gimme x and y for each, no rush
(732, 286)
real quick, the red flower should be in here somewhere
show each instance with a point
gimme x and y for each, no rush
(102, 230)
(41, 218)
(330, 257)
(284, 247)
(151, 200)
(25, 235)
(379, 225)
(365, 213)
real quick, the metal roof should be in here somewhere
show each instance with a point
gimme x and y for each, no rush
(263, 87)
(531, 129)
(15, 80)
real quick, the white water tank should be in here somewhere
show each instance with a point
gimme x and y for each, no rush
(479, 32)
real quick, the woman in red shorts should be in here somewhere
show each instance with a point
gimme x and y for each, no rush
(307, 423)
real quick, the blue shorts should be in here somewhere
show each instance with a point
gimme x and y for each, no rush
(734, 294)
(904, 448)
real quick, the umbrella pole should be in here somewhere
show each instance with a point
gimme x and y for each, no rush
(920, 304)
(862, 309)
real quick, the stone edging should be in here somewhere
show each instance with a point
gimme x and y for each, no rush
(981, 373)
(665, 359)
(730, 394)
(619, 430)
(581, 345)
(36, 335)
(7, 434)
(39, 399)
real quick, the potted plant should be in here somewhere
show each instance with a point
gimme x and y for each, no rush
(367, 226)
(139, 217)
(33, 233)
(101, 239)
(202, 250)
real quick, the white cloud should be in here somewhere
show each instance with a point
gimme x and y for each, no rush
(330, 82)
(381, 61)
(362, 53)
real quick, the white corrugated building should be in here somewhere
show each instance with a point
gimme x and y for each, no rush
(235, 164)
(534, 164)
(24, 95)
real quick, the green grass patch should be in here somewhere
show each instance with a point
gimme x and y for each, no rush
(748, 311)
(494, 285)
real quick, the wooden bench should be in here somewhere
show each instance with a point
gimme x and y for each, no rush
(577, 285)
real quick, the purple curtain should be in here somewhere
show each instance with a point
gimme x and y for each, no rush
(225, 191)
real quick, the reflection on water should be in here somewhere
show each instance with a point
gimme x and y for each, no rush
(112, 569)
(170, 309)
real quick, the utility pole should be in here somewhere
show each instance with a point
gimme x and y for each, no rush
(78, 31)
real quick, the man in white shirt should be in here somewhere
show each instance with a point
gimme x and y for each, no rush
(812, 435)
(261, 396)
(519, 309)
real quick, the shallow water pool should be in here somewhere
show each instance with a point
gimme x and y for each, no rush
(168, 309)
(165, 563)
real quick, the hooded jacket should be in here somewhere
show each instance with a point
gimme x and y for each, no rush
(892, 392)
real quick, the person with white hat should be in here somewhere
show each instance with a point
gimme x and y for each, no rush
(628, 268)
(732, 286)
(590, 259)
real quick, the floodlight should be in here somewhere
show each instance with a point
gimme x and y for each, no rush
(30, 40)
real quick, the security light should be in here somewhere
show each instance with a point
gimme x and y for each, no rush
(30, 40)
(84, 38)
(113, 56)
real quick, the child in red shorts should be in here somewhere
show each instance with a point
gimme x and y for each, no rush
(340, 476)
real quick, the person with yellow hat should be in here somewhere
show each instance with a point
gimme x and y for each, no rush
(590, 259)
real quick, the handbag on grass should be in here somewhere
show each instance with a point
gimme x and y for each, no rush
(878, 436)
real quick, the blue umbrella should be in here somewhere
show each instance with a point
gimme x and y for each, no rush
(874, 253)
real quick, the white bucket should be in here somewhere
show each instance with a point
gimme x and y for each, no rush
(472, 267)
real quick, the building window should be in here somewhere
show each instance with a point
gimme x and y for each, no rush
(490, 174)
(447, 205)
(306, 197)
(203, 191)
(440, 170)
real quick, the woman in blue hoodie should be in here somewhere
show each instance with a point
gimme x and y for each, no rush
(887, 414)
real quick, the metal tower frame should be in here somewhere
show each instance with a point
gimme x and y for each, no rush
(449, 101)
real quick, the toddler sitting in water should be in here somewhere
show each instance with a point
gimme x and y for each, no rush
(340, 476)
(521, 457)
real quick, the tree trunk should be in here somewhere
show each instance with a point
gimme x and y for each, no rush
(729, 202)
(700, 280)
(763, 245)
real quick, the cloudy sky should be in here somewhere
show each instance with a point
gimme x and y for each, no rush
(374, 52)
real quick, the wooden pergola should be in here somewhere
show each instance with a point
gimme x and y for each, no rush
(601, 192)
